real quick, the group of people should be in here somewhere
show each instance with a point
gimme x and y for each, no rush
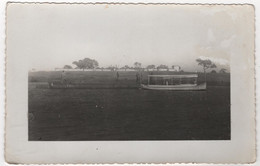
(139, 77)
(64, 80)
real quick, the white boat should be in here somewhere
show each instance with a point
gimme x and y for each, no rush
(174, 82)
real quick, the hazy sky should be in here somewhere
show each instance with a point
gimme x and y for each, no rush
(52, 36)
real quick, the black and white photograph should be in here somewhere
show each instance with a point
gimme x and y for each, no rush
(112, 77)
(131, 72)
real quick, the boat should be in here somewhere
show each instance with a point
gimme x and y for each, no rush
(187, 82)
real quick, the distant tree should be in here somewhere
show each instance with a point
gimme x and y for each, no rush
(150, 67)
(182, 71)
(137, 65)
(125, 67)
(213, 71)
(223, 70)
(86, 63)
(162, 67)
(206, 64)
(67, 67)
(112, 68)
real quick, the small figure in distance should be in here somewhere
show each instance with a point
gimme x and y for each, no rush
(63, 78)
(141, 77)
(195, 81)
(63, 74)
(151, 78)
(137, 77)
(117, 76)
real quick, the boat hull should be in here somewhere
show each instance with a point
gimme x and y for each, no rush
(189, 87)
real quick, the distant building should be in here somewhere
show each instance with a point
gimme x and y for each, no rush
(175, 68)
(160, 69)
(152, 69)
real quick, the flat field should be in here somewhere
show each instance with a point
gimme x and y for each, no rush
(126, 114)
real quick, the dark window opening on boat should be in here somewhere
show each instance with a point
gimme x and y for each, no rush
(171, 81)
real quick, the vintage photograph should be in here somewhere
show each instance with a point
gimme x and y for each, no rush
(100, 75)
(133, 83)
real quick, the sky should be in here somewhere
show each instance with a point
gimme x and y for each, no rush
(50, 36)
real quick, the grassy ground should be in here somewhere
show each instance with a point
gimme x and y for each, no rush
(125, 78)
(127, 114)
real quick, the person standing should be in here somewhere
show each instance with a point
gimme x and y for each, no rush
(117, 76)
(141, 77)
(137, 77)
(151, 79)
(64, 80)
(63, 77)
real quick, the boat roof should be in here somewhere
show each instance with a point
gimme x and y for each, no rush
(176, 76)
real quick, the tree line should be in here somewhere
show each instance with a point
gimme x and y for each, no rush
(88, 63)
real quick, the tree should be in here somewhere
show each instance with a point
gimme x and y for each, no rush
(223, 70)
(67, 67)
(213, 71)
(206, 64)
(125, 67)
(150, 67)
(137, 65)
(162, 67)
(86, 63)
(112, 68)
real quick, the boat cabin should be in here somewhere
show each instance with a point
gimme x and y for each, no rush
(172, 79)
(174, 82)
